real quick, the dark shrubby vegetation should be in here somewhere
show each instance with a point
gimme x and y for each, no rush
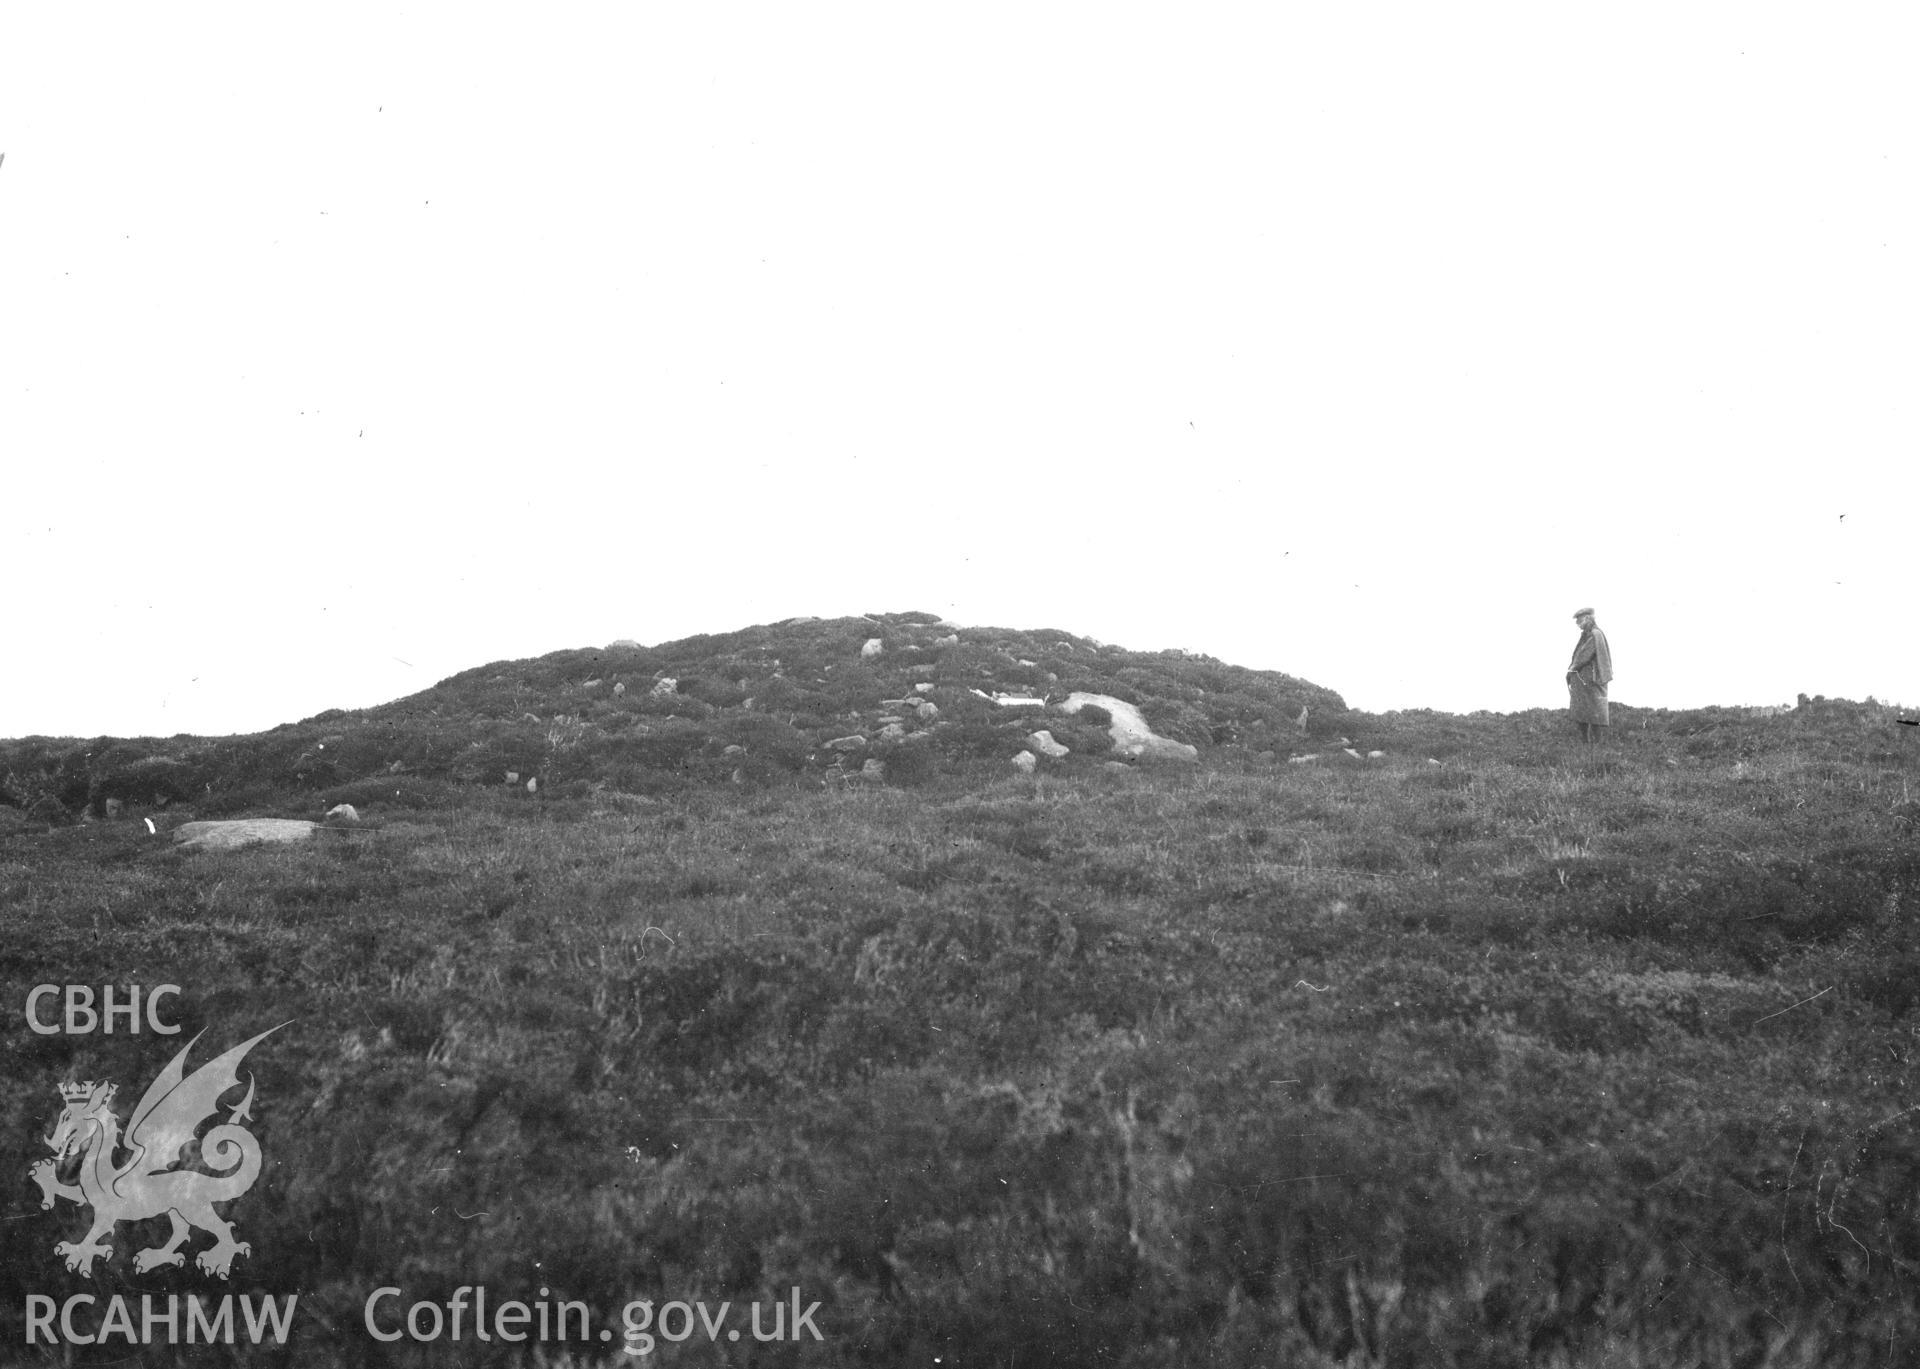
(1536, 1055)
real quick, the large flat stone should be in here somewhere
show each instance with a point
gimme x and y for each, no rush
(225, 836)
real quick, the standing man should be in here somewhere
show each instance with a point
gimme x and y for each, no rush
(1588, 675)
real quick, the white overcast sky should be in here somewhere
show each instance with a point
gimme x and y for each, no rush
(346, 347)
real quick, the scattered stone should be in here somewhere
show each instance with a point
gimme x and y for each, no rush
(856, 742)
(664, 686)
(533, 785)
(928, 710)
(1375, 755)
(513, 777)
(951, 639)
(873, 647)
(1301, 721)
(618, 689)
(234, 833)
(343, 812)
(1302, 760)
(1043, 742)
(875, 769)
(1432, 761)
(113, 807)
(1025, 762)
(591, 684)
(735, 750)
(1131, 735)
(624, 644)
(1118, 765)
(924, 687)
(1351, 752)
(1011, 700)
(529, 717)
(893, 732)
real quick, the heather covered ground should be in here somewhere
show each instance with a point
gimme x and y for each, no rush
(1492, 1050)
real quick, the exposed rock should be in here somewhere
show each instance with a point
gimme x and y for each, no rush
(928, 710)
(1043, 742)
(1375, 755)
(619, 688)
(624, 644)
(1025, 762)
(875, 769)
(925, 686)
(1302, 760)
(735, 750)
(1118, 765)
(873, 647)
(113, 807)
(664, 686)
(1011, 700)
(1351, 752)
(856, 742)
(951, 639)
(343, 812)
(893, 732)
(1131, 735)
(513, 777)
(237, 832)
(591, 684)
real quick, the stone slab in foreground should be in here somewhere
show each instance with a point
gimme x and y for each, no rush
(226, 836)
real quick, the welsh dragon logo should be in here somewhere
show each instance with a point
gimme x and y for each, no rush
(148, 1183)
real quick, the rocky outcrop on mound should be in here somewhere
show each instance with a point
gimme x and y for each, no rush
(1131, 735)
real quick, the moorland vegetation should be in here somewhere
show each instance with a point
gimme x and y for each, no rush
(1491, 1050)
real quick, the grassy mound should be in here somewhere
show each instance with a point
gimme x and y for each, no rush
(760, 706)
